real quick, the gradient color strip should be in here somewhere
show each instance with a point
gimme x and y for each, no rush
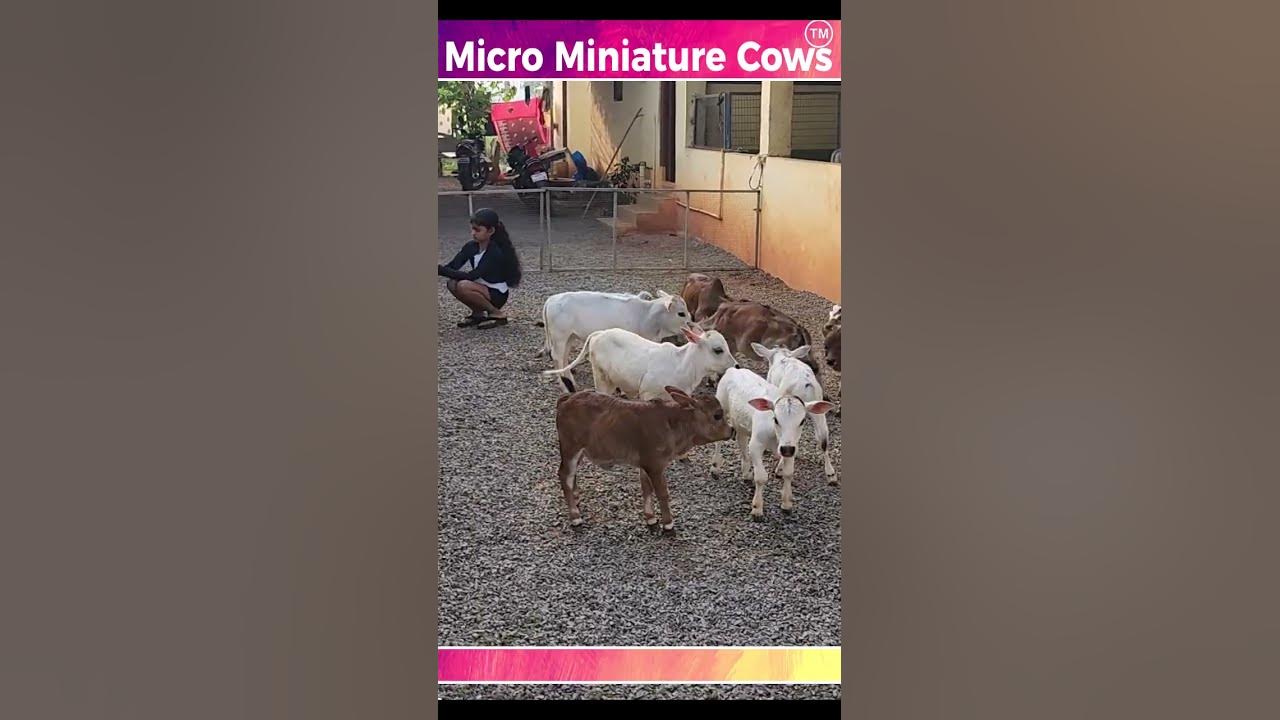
(732, 665)
(727, 35)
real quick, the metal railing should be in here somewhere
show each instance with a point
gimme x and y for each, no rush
(547, 247)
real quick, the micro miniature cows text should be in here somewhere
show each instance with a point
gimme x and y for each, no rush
(612, 431)
(570, 315)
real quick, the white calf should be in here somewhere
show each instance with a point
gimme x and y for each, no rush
(793, 377)
(570, 315)
(622, 361)
(764, 418)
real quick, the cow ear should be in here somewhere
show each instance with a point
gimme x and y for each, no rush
(691, 335)
(800, 352)
(678, 395)
(761, 403)
(818, 407)
(664, 294)
(761, 350)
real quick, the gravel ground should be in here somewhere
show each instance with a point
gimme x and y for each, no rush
(513, 572)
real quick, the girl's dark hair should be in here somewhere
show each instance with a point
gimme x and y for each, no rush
(485, 217)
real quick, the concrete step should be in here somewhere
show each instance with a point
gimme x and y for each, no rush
(624, 227)
(660, 213)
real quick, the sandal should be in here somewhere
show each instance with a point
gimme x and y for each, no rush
(471, 320)
(491, 323)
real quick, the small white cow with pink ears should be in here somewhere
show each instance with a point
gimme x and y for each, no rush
(764, 418)
(789, 373)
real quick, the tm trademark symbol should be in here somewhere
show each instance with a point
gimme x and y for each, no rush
(818, 33)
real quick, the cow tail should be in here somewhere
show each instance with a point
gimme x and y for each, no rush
(582, 354)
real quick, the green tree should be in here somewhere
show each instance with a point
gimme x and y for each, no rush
(470, 101)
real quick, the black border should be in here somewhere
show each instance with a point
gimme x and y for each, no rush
(638, 11)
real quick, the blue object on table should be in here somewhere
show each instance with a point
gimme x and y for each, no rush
(580, 163)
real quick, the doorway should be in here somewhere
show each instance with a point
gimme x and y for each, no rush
(667, 133)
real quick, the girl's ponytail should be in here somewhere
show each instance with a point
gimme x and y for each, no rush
(502, 239)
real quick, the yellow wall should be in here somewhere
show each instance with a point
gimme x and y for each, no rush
(800, 200)
(735, 231)
(597, 123)
(579, 115)
(800, 227)
(800, 208)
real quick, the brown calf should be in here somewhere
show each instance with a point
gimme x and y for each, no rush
(614, 431)
(743, 322)
(703, 294)
(831, 348)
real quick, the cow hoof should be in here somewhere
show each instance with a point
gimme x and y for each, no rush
(833, 480)
(576, 522)
(757, 517)
(788, 510)
(669, 528)
(651, 521)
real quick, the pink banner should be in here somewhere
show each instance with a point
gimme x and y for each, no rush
(640, 49)
(604, 665)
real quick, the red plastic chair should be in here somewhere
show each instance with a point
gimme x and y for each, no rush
(520, 124)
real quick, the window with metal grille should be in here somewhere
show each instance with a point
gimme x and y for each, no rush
(815, 123)
(744, 122)
(707, 119)
(726, 121)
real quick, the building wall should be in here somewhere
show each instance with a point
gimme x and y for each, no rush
(800, 224)
(597, 122)
(800, 207)
(800, 199)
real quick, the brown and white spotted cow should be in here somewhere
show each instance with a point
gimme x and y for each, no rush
(647, 434)
(743, 322)
(831, 348)
(831, 351)
(703, 294)
(833, 320)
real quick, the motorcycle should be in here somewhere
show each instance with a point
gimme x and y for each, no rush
(473, 167)
(531, 172)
